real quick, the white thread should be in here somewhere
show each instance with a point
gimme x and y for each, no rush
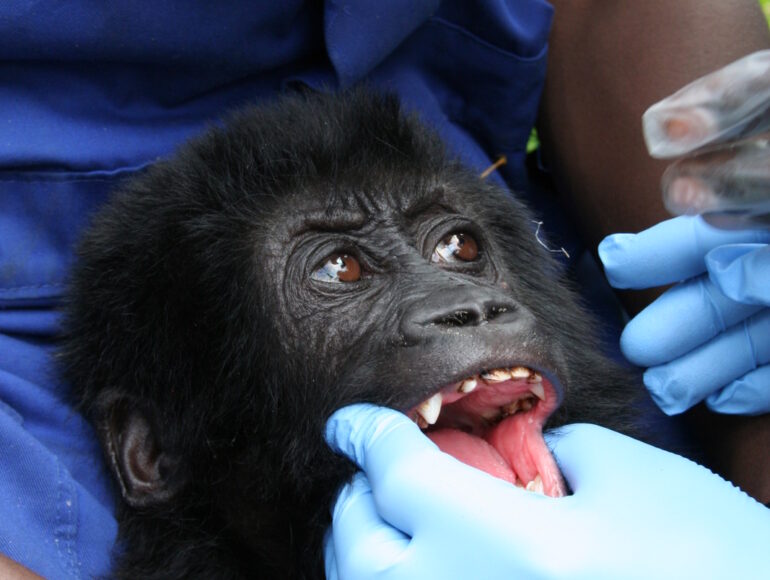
(542, 243)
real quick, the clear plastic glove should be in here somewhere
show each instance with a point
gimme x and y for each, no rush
(724, 118)
(636, 512)
(708, 337)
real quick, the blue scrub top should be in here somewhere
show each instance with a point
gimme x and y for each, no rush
(93, 92)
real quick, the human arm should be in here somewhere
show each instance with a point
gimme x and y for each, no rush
(11, 570)
(420, 513)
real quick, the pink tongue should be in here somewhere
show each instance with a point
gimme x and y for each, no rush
(473, 451)
(513, 451)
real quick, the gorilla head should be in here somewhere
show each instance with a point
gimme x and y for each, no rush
(315, 252)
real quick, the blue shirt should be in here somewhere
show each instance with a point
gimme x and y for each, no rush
(93, 92)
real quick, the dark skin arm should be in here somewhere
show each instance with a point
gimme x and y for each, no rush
(609, 60)
(11, 570)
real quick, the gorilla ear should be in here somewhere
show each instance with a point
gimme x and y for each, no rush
(146, 473)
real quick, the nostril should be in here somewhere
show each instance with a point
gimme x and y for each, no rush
(457, 309)
(496, 310)
(457, 318)
(472, 316)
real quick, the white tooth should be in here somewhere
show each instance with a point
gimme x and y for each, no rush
(430, 409)
(467, 386)
(536, 485)
(538, 390)
(535, 378)
(496, 376)
(519, 373)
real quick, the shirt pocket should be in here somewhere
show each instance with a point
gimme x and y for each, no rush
(42, 215)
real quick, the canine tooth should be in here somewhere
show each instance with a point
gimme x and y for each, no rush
(467, 386)
(535, 378)
(496, 376)
(520, 373)
(430, 409)
(538, 390)
(536, 485)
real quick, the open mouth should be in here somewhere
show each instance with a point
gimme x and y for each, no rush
(493, 421)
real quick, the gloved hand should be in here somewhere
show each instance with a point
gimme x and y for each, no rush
(723, 118)
(708, 337)
(636, 512)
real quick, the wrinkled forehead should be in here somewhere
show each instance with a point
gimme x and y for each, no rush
(342, 207)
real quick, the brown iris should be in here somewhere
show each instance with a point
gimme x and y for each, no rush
(455, 247)
(339, 268)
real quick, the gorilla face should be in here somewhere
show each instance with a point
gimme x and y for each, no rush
(315, 252)
(408, 294)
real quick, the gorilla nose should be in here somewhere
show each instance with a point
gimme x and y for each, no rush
(457, 308)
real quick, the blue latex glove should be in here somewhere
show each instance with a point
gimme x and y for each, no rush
(636, 512)
(708, 337)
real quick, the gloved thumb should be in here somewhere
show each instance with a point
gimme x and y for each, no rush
(584, 454)
(370, 435)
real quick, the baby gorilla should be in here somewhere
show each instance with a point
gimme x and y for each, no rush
(315, 252)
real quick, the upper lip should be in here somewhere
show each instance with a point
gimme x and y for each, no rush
(479, 369)
(525, 390)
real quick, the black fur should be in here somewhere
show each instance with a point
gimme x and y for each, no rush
(209, 359)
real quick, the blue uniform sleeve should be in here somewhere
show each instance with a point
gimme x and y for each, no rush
(56, 505)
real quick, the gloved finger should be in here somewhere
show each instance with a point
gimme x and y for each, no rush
(749, 395)
(362, 542)
(682, 383)
(741, 271)
(606, 471)
(667, 252)
(396, 455)
(330, 560)
(729, 185)
(727, 104)
(357, 431)
(591, 457)
(569, 445)
(684, 317)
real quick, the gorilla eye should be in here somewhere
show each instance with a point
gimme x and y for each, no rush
(456, 247)
(338, 268)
